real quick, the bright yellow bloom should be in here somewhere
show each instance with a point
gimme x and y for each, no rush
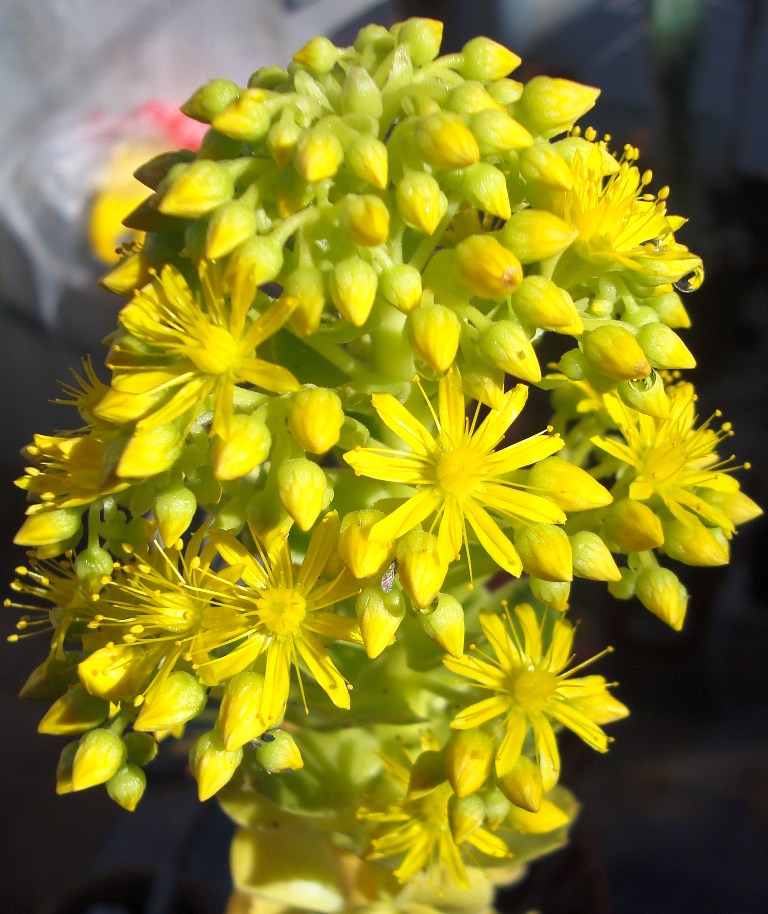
(457, 473)
(531, 687)
(421, 832)
(191, 345)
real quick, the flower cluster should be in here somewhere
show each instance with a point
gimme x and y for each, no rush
(299, 489)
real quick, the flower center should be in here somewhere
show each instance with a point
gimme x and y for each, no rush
(458, 470)
(660, 464)
(282, 610)
(215, 350)
(533, 688)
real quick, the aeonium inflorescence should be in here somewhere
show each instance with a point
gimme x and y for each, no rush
(285, 523)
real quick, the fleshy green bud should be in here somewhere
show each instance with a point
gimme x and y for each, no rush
(210, 100)
(127, 786)
(541, 164)
(49, 527)
(318, 155)
(245, 447)
(282, 139)
(484, 59)
(230, 224)
(239, 721)
(470, 98)
(573, 365)
(623, 589)
(196, 189)
(445, 141)
(421, 568)
(465, 816)
(100, 754)
(401, 286)
(551, 106)
(614, 352)
(360, 94)
(257, 261)
(535, 234)
(363, 556)
(445, 624)
(659, 590)
(277, 752)
(551, 593)
(496, 807)
(420, 201)
(670, 310)
(247, 117)
(150, 452)
(592, 558)
(318, 55)
(180, 698)
(486, 267)
(631, 526)
(427, 772)
(646, 395)
(304, 490)
(545, 551)
(366, 218)
(434, 332)
(422, 38)
(92, 565)
(211, 764)
(174, 508)
(663, 347)
(379, 615)
(64, 768)
(567, 485)
(74, 713)
(693, 543)
(484, 186)
(315, 419)
(306, 290)
(522, 785)
(541, 302)
(506, 345)
(367, 157)
(141, 748)
(496, 131)
(353, 284)
(736, 505)
(469, 757)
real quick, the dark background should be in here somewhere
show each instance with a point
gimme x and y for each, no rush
(675, 817)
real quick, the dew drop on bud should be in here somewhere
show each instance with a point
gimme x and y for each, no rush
(691, 281)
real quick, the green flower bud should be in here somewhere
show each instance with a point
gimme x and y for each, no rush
(470, 98)
(141, 748)
(211, 764)
(445, 624)
(319, 55)
(245, 447)
(151, 173)
(427, 772)
(485, 187)
(210, 100)
(614, 352)
(551, 106)
(366, 218)
(420, 201)
(551, 593)
(278, 752)
(282, 138)
(306, 289)
(541, 302)
(670, 310)
(48, 528)
(545, 551)
(632, 526)
(268, 78)
(360, 94)
(150, 452)
(257, 261)
(496, 807)
(484, 59)
(75, 712)
(659, 590)
(247, 117)
(174, 508)
(239, 720)
(421, 37)
(486, 267)
(64, 768)
(304, 490)
(367, 157)
(693, 543)
(623, 589)
(592, 558)
(92, 565)
(229, 226)
(567, 485)
(180, 698)
(541, 164)
(315, 419)
(663, 347)
(363, 556)
(465, 816)
(434, 332)
(127, 786)
(100, 754)
(445, 141)
(352, 285)
(318, 155)
(421, 568)
(535, 234)
(379, 615)
(646, 395)
(401, 286)
(506, 345)
(573, 365)
(496, 131)
(195, 189)
(469, 756)
(522, 785)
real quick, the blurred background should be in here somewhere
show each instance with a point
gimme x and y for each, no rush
(675, 817)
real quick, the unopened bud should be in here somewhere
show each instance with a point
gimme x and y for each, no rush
(64, 768)
(735, 505)
(646, 395)
(304, 490)
(663, 347)
(541, 164)
(485, 187)
(545, 551)
(670, 310)
(522, 785)
(174, 508)
(496, 807)
(245, 447)
(632, 526)
(445, 625)
(486, 267)
(210, 100)
(353, 284)
(541, 302)
(149, 452)
(196, 189)
(141, 748)
(239, 719)
(427, 772)
(614, 352)
(420, 201)
(592, 559)
(257, 261)
(445, 141)
(506, 345)
(318, 155)
(465, 816)
(100, 754)
(469, 756)
(92, 565)
(126, 787)
(693, 543)
(306, 290)
(401, 286)
(211, 764)
(551, 106)
(360, 94)
(535, 234)
(277, 751)
(315, 419)
(247, 118)
(367, 157)
(318, 55)
(48, 527)
(282, 138)
(422, 38)
(180, 698)
(421, 568)
(363, 556)
(379, 615)
(230, 224)
(75, 712)
(659, 590)
(551, 593)
(486, 60)
(567, 485)
(496, 131)
(484, 382)
(366, 218)
(434, 332)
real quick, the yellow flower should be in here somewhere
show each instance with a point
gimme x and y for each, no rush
(457, 473)
(191, 345)
(531, 687)
(421, 832)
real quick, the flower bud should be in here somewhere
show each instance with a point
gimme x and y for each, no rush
(535, 234)
(141, 748)
(484, 383)
(230, 225)
(470, 98)
(115, 671)
(434, 332)
(293, 193)
(318, 55)
(506, 345)
(306, 290)
(282, 138)
(659, 590)
(550, 106)
(522, 785)
(100, 754)
(367, 157)
(545, 551)
(401, 286)
(277, 751)
(247, 118)
(445, 624)
(646, 395)
(257, 261)
(465, 816)
(614, 352)
(245, 447)
(551, 593)
(567, 485)
(126, 787)
(693, 543)
(485, 187)
(48, 527)
(363, 556)
(174, 508)
(420, 566)
(366, 218)
(427, 772)
(445, 141)
(736, 505)
(592, 558)
(631, 526)
(486, 267)
(75, 712)
(360, 94)
(379, 615)
(93, 565)
(485, 60)
(196, 189)
(180, 698)
(469, 755)
(211, 764)
(420, 201)
(353, 285)
(150, 452)
(210, 100)
(64, 768)
(670, 310)
(623, 589)
(318, 155)
(541, 302)
(421, 37)
(496, 807)
(239, 721)
(548, 819)
(496, 131)
(315, 419)
(541, 164)
(663, 347)
(304, 490)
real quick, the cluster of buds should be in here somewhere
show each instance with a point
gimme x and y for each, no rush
(296, 489)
